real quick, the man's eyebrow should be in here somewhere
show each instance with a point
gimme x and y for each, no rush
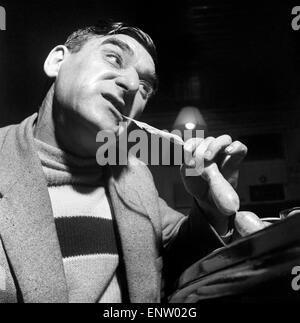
(121, 44)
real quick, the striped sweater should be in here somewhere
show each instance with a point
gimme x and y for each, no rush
(84, 225)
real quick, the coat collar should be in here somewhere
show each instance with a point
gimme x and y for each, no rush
(139, 231)
(28, 229)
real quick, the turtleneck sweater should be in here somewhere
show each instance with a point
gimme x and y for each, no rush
(84, 225)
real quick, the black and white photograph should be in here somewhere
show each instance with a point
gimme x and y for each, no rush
(150, 153)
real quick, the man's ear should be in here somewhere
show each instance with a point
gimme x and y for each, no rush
(55, 59)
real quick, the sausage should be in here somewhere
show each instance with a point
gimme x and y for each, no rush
(247, 222)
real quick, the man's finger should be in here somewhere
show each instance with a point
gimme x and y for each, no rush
(202, 147)
(236, 148)
(216, 146)
(189, 149)
(193, 153)
(197, 161)
(235, 155)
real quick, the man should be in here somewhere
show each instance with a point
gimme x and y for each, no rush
(72, 231)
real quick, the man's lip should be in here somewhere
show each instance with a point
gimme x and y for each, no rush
(116, 102)
(116, 112)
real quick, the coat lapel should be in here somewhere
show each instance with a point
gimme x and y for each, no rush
(29, 234)
(27, 224)
(137, 233)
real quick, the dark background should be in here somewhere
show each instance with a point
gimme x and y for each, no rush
(241, 52)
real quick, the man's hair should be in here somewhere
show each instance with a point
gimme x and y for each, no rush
(78, 38)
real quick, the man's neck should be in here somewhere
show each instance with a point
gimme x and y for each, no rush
(44, 129)
(55, 132)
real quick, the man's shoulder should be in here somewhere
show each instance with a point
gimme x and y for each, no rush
(138, 165)
(17, 131)
(134, 170)
(3, 133)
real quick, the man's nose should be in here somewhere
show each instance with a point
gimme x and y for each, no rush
(129, 80)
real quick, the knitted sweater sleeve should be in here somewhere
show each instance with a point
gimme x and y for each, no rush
(186, 239)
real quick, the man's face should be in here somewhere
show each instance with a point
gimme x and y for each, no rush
(109, 76)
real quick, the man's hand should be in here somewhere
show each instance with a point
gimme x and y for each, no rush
(215, 162)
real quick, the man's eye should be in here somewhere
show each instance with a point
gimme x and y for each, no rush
(146, 89)
(115, 59)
